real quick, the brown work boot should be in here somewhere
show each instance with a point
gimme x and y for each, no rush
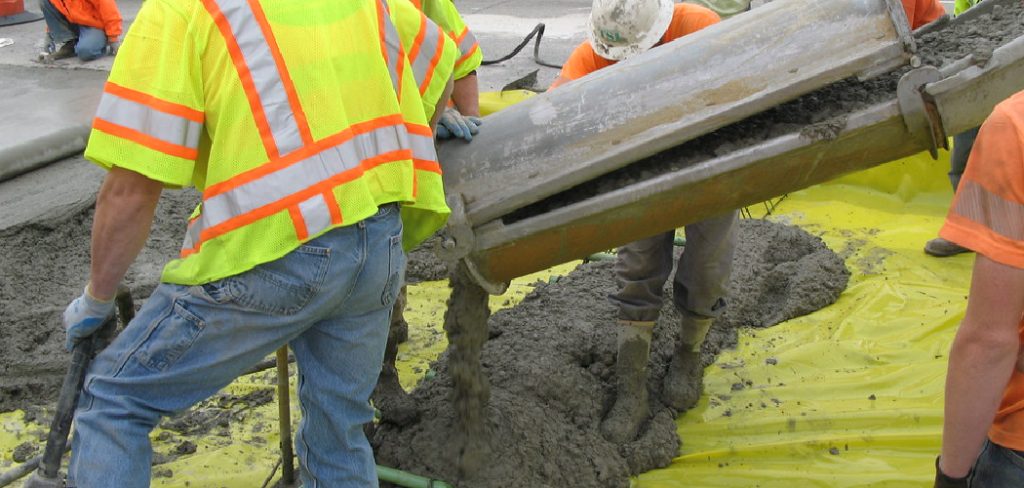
(630, 410)
(942, 248)
(684, 381)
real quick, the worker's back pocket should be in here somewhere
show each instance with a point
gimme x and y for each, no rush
(170, 338)
(281, 287)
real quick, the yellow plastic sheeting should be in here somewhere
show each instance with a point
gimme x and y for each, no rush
(852, 394)
(491, 102)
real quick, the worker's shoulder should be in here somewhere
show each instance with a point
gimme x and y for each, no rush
(1010, 111)
(183, 8)
(693, 10)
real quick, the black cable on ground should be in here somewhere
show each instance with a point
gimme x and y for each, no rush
(539, 33)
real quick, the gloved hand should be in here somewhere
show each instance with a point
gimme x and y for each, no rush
(113, 46)
(453, 124)
(943, 481)
(84, 316)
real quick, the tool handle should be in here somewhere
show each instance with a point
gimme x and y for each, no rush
(71, 388)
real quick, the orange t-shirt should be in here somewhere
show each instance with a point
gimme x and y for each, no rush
(687, 18)
(921, 12)
(987, 216)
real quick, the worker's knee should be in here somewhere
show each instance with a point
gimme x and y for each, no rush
(92, 44)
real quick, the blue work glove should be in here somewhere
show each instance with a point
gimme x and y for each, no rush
(453, 124)
(85, 316)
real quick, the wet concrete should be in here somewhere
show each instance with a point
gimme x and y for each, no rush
(550, 369)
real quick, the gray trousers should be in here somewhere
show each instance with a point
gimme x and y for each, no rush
(701, 282)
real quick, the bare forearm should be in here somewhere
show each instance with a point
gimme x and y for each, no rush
(466, 96)
(977, 375)
(442, 104)
(124, 214)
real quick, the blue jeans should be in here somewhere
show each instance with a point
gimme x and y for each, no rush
(962, 145)
(329, 299)
(998, 467)
(91, 42)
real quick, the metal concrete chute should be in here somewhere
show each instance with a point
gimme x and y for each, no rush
(669, 95)
(918, 113)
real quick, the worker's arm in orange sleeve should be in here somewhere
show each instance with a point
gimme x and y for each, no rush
(111, 18)
(982, 358)
(581, 62)
(931, 11)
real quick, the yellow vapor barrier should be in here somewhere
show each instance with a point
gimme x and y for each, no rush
(851, 395)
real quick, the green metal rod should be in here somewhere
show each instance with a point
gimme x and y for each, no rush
(408, 480)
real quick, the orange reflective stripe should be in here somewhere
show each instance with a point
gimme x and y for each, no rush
(244, 76)
(272, 166)
(391, 47)
(467, 55)
(295, 199)
(297, 220)
(155, 103)
(425, 165)
(145, 140)
(289, 86)
(420, 130)
(333, 207)
(438, 52)
(422, 34)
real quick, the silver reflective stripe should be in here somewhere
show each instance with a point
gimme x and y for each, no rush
(273, 187)
(265, 75)
(315, 214)
(191, 236)
(422, 147)
(467, 43)
(166, 127)
(392, 48)
(428, 51)
(977, 204)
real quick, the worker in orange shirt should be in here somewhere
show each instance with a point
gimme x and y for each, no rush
(88, 29)
(644, 266)
(984, 417)
(921, 12)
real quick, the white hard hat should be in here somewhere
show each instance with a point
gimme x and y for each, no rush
(622, 28)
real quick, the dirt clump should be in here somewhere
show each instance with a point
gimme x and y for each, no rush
(550, 363)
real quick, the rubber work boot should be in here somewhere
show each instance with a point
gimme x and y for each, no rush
(623, 421)
(685, 379)
(942, 248)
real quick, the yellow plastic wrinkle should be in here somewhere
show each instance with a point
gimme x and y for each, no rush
(851, 395)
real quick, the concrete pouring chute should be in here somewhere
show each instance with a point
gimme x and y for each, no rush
(520, 223)
(669, 95)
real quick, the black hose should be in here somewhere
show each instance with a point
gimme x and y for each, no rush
(537, 31)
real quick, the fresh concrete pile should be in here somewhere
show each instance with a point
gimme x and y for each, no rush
(549, 363)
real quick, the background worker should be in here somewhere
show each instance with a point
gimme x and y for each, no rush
(461, 120)
(644, 266)
(88, 29)
(317, 165)
(962, 144)
(984, 416)
(432, 54)
(921, 12)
